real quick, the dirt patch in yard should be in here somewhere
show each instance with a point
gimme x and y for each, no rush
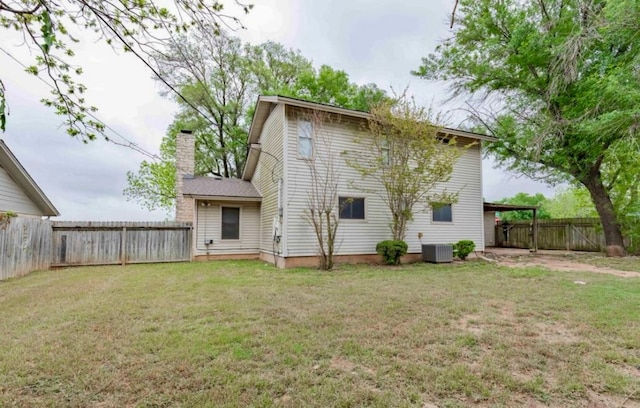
(342, 364)
(558, 263)
(606, 401)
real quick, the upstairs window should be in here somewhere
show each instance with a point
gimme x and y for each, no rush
(385, 153)
(441, 212)
(305, 139)
(351, 208)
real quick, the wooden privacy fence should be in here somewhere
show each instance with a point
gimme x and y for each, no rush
(109, 243)
(29, 244)
(25, 246)
(573, 234)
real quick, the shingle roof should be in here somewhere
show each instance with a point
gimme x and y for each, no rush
(11, 165)
(215, 187)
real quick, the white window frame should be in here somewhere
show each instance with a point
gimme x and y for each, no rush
(305, 131)
(239, 207)
(385, 153)
(366, 212)
(442, 222)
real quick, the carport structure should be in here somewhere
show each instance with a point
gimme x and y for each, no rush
(497, 207)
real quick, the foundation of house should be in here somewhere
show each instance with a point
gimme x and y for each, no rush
(311, 261)
(223, 257)
(305, 261)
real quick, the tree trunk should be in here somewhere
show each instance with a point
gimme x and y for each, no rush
(604, 206)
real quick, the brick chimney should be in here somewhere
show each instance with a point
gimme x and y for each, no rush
(185, 168)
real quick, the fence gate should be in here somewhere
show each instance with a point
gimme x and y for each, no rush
(571, 234)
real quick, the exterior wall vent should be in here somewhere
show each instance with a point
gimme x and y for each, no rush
(437, 253)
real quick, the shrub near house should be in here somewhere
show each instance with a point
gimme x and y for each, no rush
(463, 248)
(391, 251)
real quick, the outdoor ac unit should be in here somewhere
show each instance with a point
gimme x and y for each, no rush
(437, 253)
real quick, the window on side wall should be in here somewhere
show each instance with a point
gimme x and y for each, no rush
(230, 223)
(351, 208)
(385, 153)
(441, 212)
(305, 139)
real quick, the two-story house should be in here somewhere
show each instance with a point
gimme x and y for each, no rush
(263, 215)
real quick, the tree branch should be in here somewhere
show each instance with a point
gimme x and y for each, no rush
(5, 7)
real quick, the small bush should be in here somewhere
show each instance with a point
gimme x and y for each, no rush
(391, 251)
(463, 248)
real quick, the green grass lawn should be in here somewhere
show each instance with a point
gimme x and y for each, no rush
(236, 334)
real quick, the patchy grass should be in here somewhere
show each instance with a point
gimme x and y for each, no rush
(627, 263)
(229, 334)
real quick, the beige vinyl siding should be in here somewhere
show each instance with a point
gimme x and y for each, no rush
(354, 236)
(489, 229)
(361, 236)
(209, 223)
(467, 212)
(268, 172)
(13, 198)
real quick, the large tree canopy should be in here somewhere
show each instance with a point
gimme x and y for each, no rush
(50, 29)
(524, 199)
(221, 79)
(570, 202)
(557, 82)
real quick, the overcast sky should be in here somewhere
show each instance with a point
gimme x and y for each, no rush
(378, 42)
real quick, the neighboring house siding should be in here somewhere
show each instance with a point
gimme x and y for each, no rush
(268, 172)
(13, 198)
(361, 236)
(208, 227)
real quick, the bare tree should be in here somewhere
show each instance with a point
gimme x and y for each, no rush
(322, 210)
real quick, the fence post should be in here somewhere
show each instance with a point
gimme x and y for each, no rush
(567, 235)
(123, 245)
(534, 231)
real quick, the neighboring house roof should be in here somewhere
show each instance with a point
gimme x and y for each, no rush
(17, 172)
(266, 104)
(220, 188)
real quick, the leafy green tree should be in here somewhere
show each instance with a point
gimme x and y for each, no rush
(402, 153)
(154, 185)
(524, 199)
(215, 77)
(555, 81)
(221, 78)
(277, 69)
(142, 27)
(570, 202)
(331, 86)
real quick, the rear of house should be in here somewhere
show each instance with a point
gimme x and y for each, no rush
(280, 130)
(264, 214)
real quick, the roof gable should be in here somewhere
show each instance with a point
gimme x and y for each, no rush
(266, 104)
(21, 177)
